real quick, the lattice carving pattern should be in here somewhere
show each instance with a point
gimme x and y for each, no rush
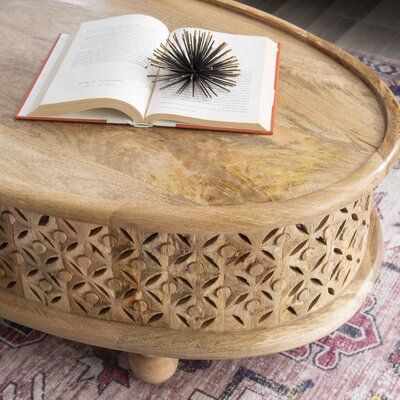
(218, 282)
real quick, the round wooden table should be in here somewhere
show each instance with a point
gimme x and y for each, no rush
(175, 243)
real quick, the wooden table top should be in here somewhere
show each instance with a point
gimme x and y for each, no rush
(337, 133)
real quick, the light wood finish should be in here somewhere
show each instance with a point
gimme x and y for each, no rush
(209, 282)
(153, 370)
(184, 243)
(336, 136)
(196, 344)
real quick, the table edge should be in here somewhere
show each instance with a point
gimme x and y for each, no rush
(247, 216)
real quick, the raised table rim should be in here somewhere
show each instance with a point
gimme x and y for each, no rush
(247, 216)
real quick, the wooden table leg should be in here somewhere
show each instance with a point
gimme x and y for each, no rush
(152, 369)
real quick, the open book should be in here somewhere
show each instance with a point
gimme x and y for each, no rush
(100, 74)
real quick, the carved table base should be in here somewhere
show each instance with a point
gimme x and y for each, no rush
(192, 296)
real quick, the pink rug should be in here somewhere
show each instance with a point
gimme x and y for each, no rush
(360, 361)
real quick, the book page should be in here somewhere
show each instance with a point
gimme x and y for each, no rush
(250, 101)
(107, 59)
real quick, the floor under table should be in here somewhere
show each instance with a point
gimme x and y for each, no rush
(368, 25)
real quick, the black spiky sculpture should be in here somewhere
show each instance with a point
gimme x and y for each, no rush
(195, 62)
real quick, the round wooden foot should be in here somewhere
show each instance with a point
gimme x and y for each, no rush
(152, 369)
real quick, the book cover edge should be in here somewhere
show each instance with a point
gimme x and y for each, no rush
(32, 85)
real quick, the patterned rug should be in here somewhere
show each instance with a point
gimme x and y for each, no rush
(360, 361)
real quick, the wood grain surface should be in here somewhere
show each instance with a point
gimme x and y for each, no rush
(207, 282)
(194, 344)
(337, 133)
